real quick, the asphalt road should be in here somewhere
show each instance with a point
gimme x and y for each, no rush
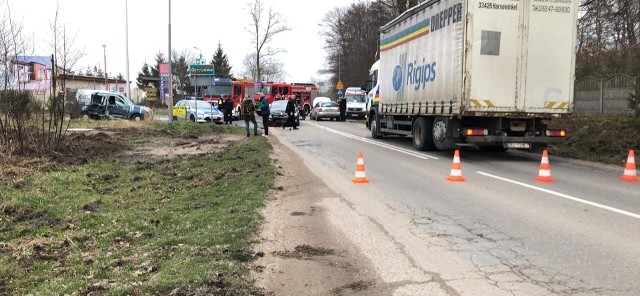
(498, 233)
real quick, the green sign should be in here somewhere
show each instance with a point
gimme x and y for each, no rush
(201, 70)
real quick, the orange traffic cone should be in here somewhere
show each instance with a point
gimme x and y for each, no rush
(630, 174)
(361, 176)
(544, 175)
(456, 169)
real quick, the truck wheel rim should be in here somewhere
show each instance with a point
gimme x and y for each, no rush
(439, 130)
(417, 135)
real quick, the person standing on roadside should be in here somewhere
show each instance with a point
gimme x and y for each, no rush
(265, 111)
(221, 102)
(343, 109)
(291, 113)
(248, 114)
(228, 110)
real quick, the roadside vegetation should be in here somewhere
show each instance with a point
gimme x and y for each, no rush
(107, 217)
(599, 138)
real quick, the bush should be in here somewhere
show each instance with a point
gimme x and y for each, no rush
(16, 108)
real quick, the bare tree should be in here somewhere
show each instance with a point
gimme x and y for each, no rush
(64, 57)
(351, 40)
(271, 68)
(399, 6)
(15, 104)
(263, 29)
(12, 45)
(608, 38)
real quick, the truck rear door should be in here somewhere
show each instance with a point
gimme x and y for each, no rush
(520, 55)
(494, 42)
(548, 75)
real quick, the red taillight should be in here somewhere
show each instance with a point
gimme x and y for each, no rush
(476, 132)
(319, 109)
(556, 133)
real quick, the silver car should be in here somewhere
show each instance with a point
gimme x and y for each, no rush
(325, 110)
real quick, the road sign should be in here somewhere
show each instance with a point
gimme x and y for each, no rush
(339, 85)
(339, 92)
(201, 70)
(179, 111)
(164, 81)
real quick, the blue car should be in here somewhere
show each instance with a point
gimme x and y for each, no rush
(199, 111)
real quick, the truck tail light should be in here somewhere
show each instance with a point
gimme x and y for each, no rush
(476, 132)
(556, 133)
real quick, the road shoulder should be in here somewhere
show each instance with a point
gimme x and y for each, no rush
(303, 253)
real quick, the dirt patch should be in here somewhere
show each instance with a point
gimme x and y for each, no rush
(166, 147)
(77, 148)
(93, 206)
(298, 214)
(352, 287)
(304, 252)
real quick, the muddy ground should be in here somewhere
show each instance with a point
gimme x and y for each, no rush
(91, 145)
(302, 253)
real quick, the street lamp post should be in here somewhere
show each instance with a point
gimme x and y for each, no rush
(106, 84)
(126, 12)
(195, 79)
(170, 99)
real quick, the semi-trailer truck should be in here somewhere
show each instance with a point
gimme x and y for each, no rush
(475, 73)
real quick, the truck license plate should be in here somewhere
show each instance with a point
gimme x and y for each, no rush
(354, 115)
(517, 145)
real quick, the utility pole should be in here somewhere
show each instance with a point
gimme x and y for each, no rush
(106, 83)
(170, 99)
(126, 13)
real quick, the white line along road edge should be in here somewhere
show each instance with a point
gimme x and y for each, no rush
(372, 142)
(569, 197)
(422, 156)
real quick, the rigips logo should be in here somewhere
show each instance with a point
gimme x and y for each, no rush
(418, 74)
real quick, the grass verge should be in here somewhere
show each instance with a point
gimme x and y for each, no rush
(125, 225)
(599, 138)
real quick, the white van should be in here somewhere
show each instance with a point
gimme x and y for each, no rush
(356, 102)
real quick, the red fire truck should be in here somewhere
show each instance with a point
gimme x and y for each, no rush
(274, 91)
(241, 88)
(304, 93)
(216, 88)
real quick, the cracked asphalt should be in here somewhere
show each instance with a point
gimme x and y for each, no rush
(426, 236)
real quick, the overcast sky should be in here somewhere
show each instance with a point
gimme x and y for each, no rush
(198, 23)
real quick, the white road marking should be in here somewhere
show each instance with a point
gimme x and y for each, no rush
(565, 196)
(408, 152)
(372, 142)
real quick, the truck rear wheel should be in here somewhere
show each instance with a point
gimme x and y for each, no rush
(422, 134)
(440, 138)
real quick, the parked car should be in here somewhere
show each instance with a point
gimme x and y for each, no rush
(200, 111)
(77, 102)
(320, 100)
(108, 105)
(325, 110)
(279, 115)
